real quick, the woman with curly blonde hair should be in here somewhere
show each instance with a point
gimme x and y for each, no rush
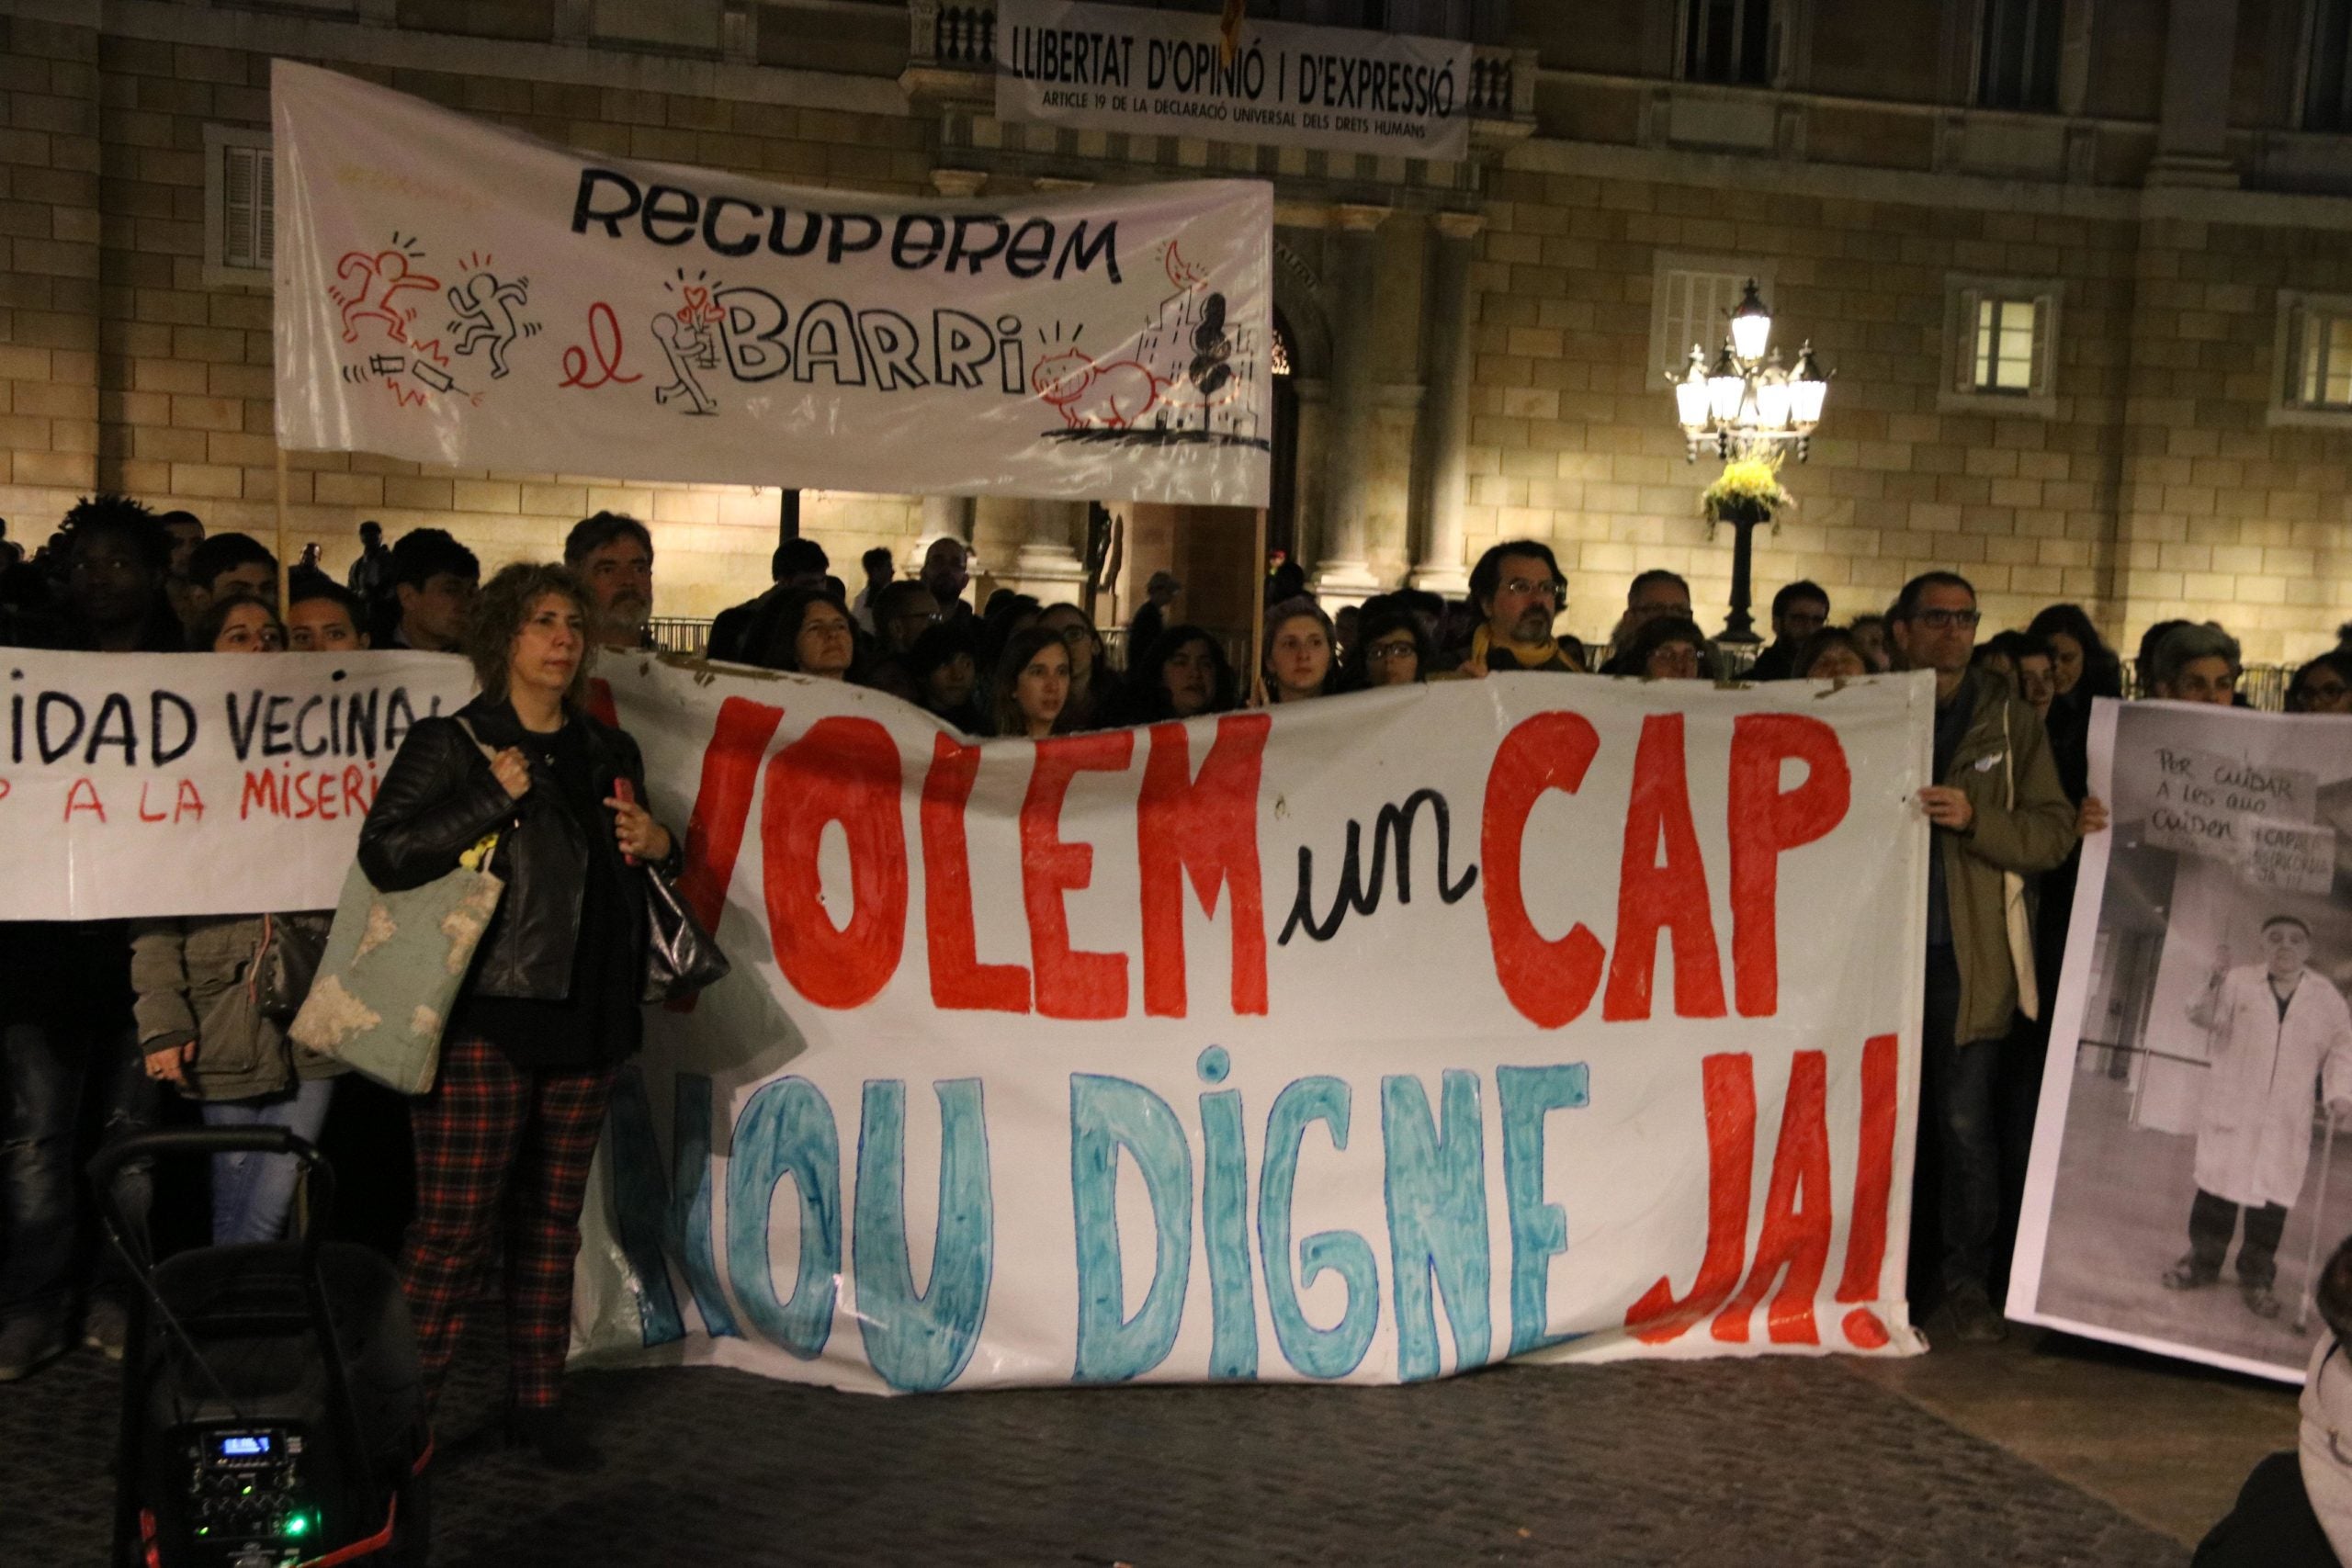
(550, 1008)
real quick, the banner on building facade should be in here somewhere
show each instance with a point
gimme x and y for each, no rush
(2184, 1184)
(1368, 1039)
(1170, 74)
(454, 293)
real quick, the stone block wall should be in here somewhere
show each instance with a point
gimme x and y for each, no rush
(2158, 484)
(122, 369)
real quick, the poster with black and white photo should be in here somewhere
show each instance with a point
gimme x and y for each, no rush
(2185, 1181)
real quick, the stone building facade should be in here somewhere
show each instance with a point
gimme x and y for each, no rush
(2079, 265)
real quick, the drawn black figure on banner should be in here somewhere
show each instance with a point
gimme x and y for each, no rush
(688, 347)
(484, 308)
(1189, 380)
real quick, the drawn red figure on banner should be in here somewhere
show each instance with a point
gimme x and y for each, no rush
(369, 284)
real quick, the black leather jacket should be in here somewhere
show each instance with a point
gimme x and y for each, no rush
(437, 800)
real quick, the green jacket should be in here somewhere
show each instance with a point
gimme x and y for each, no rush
(194, 980)
(2022, 824)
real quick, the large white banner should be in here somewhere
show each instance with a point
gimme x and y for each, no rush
(1167, 73)
(1367, 1039)
(458, 294)
(2185, 1184)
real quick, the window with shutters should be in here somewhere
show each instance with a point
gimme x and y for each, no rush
(239, 208)
(1727, 41)
(2001, 347)
(2325, 65)
(2016, 57)
(2314, 379)
(1690, 303)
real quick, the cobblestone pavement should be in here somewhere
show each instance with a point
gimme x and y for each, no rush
(1775, 1462)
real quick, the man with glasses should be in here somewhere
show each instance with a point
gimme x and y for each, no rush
(1655, 592)
(1998, 816)
(1519, 590)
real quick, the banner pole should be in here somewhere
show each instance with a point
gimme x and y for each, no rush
(2319, 1210)
(285, 565)
(1258, 613)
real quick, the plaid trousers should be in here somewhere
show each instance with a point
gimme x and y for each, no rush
(485, 1126)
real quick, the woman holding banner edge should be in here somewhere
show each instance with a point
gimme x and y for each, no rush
(550, 1008)
(205, 1026)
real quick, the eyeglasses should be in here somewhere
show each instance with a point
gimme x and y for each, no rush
(1945, 620)
(1543, 586)
(1382, 652)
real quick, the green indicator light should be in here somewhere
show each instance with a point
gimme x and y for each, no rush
(248, 1491)
(297, 1525)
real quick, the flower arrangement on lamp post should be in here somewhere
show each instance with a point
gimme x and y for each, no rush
(1747, 494)
(1753, 411)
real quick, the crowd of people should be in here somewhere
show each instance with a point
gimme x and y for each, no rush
(110, 1026)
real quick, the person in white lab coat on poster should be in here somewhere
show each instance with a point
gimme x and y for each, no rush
(2275, 1028)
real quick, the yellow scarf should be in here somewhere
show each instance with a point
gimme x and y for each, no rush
(1545, 655)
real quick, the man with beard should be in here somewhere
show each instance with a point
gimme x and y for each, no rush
(612, 554)
(1519, 590)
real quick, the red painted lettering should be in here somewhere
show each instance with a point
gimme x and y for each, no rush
(1549, 982)
(731, 764)
(83, 796)
(1070, 983)
(1207, 827)
(958, 979)
(1764, 821)
(145, 814)
(1795, 1233)
(188, 803)
(261, 790)
(1873, 1175)
(1658, 1316)
(846, 770)
(1671, 897)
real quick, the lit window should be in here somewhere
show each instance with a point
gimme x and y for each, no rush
(2319, 354)
(2004, 345)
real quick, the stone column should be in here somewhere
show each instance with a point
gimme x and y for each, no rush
(1447, 350)
(1343, 575)
(1048, 563)
(2192, 136)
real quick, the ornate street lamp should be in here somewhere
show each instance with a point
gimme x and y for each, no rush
(1753, 413)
